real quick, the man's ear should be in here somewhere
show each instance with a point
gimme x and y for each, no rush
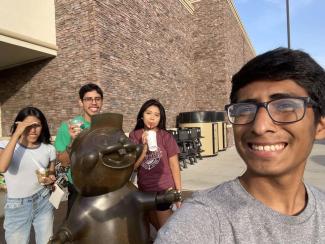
(320, 129)
(80, 103)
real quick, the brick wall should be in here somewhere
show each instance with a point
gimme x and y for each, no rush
(135, 50)
(145, 54)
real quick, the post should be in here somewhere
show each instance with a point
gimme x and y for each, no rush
(288, 23)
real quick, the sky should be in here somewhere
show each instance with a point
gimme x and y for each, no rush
(265, 22)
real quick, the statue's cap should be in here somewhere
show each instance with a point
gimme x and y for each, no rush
(105, 120)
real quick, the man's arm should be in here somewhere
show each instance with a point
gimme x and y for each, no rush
(64, 158)
(63, 141)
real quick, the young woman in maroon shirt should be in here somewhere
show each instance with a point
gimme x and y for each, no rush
(158, 170)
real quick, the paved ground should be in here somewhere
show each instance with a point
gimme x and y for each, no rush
(213, 170)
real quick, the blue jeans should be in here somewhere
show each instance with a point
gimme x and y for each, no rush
(22, 213)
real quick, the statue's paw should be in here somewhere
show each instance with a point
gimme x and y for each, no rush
(54, 240)
(59, 238)
(178, 196)
(173, 195)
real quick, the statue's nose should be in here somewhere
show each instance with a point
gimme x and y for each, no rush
(121, 154)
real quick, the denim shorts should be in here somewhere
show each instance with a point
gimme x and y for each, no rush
(22, 213)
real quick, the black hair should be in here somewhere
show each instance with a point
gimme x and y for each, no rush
(88, 88)
(147, 104)
(280, 64)
(45, 135)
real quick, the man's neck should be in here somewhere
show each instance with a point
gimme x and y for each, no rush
(86, 117)
(286, 194)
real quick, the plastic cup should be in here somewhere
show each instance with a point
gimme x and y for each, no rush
(152, 140)
(76, 124)
(41, 174)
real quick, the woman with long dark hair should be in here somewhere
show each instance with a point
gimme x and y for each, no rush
(27, 151)
(158, 170)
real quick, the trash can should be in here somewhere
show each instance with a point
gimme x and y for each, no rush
(213, 128)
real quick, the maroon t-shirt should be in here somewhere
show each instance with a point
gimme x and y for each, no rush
(154, 173)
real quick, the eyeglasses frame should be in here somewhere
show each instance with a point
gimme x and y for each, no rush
(307, 101)
(100, 99)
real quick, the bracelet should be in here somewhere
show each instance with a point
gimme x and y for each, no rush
(179, 193)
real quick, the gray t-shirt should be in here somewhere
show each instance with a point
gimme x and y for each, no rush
(229, 214)
(21, 179)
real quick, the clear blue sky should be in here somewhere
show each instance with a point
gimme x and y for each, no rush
(266, 25)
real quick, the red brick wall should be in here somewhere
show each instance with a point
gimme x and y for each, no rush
(135, 50)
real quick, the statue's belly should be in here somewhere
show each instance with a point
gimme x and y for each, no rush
(113, 218)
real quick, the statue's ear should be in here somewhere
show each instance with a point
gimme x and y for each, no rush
(320, 129)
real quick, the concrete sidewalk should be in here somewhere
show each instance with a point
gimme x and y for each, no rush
(227, 165)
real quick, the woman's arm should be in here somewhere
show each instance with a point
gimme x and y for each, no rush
(141, 157)
(63, 156)
(7, 153)
(51, 178)
(144, 150)
(174, 167)
(52, 168)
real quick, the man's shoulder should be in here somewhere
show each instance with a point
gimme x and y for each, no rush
(198, 219)
(62, 138)
(224, 188)
(63, 127)
(225, 195)
(318, 193)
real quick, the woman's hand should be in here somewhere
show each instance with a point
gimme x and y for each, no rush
(178, 204)
(74, 131)
(48, 180)
(144, 137)
(21, 127)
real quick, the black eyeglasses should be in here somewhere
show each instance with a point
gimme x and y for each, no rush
(91, 99)
(282, 110)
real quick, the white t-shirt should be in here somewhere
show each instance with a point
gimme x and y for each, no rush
(21, 179)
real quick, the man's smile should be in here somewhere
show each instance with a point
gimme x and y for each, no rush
(267, 147)
(94, 109)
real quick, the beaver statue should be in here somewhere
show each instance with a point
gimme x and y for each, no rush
(109, 208)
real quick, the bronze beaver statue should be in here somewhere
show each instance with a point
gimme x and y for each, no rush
(109, 208)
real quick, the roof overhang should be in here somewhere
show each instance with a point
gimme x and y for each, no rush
(17, 49)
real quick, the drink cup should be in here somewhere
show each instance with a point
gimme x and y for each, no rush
(41, 174)
(76, 124)
(152, 140)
